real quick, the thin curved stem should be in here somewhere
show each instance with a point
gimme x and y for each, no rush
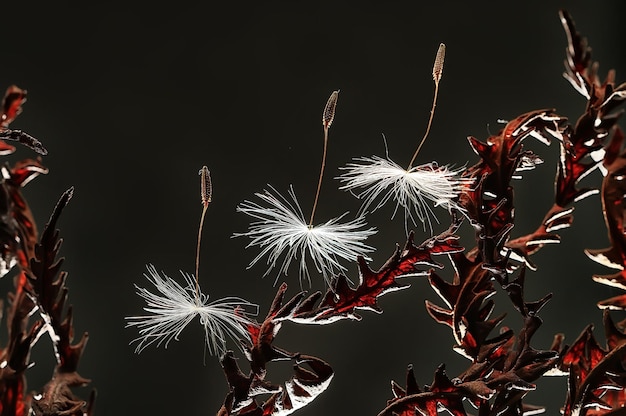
(198, 252)
(319, 182)
(430, 122)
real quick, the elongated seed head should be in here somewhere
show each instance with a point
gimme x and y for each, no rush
(438, 65)
(329, 111)
(206, 188)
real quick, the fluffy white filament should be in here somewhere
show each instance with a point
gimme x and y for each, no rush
(376, 178)
(172, 307)
(281, 231)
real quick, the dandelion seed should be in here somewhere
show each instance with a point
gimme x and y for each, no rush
(412, 190)
(283, 235)
(370, 178)
(171, 307)
(282, 232)
(437, 73)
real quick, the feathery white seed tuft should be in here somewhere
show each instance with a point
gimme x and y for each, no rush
(281, 231)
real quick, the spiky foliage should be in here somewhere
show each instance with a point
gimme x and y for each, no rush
(49, 294)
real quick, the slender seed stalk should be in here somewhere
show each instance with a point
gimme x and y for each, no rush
(327, 119)
(430, 120)
(206, 195)
(437, 73)
(198, 250)
(319, 182)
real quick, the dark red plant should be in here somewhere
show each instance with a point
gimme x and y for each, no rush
(39, 286)
(583, 145)
(339, 302)
(503, 365)
(301, 389)
(596, 376)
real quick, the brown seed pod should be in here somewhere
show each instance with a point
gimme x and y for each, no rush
(329, 111)
(438, 65)
(206, 188)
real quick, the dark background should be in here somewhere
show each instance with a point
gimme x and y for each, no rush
(131, 101)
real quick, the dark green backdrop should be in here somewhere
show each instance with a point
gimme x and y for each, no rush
(131, 101)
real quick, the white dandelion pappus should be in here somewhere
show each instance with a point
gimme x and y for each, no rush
(411, 188)
(172, 307)
(371, 178)
(282, 231)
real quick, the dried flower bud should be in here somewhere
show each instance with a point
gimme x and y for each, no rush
(206, 188)
(438, 66)
(329, 111)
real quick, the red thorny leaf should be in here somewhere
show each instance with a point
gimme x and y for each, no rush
(581, 145)
(301, 389)
(47, 282)
(341, 301)
(489, 203)
(11, 107)
(596, 375)
(613, 193)
(18, 232)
